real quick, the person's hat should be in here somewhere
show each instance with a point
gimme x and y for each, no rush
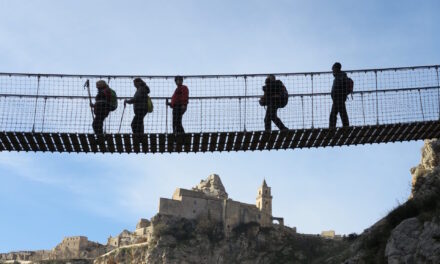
(337, 65)
(139, 81)
(101, 84)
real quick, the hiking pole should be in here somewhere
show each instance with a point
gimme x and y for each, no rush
(120, 124)
(87, 84)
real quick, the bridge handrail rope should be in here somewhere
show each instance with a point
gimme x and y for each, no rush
(106, 76)
(221, 97)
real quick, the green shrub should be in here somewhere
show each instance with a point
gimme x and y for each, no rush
(181, 229)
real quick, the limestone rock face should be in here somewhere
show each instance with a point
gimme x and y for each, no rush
(414, 242)
(426, 175)
(212, 186)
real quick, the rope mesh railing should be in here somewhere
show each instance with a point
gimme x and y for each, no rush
(223, 103)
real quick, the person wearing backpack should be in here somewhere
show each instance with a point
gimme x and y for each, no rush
(275, 96)
(104, 103)
(140, 105)
(179, 102)
(342, 86)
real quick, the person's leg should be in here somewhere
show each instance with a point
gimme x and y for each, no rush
(98, 121)
(136, 124)
(179, 117)
(276, 120)
(343, 113)
(97, 124)
(267, 118)
(141, 122)
(183, 110)
(175, 121)
(333, 113)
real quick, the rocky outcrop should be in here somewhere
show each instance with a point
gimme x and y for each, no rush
(414, 242)
(417, 239)
(426, 176)
(410, 233)
(212, 186)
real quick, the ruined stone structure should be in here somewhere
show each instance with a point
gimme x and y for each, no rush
(142, 227)
(70, 248)
(77, 247)
(331, 234)
(209, 198)
(142, 233)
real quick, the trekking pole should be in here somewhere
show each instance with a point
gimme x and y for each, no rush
(120, 124)
(87, 84)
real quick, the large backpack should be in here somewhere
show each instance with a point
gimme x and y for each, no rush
(149, 105)
(113, 100)
(350, 86)
(284, 96)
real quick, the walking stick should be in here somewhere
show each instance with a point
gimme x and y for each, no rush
(120, 124)
(87, 84)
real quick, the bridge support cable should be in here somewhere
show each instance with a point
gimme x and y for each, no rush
(438, 91)
(311, 79)
(377, 100)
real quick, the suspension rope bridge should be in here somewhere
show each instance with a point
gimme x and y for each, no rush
(51, 112)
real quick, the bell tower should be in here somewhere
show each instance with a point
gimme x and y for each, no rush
(264, 199)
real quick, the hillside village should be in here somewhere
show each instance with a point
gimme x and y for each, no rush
(208, 199)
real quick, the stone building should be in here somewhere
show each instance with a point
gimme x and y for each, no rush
(142, 227)
(209, 198)
(331, 234)
(70, 248)
(142, 233)
(77, 247)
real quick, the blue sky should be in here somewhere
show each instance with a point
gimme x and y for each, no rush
(45, 197)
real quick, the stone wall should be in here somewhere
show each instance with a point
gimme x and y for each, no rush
(75, 243)
(191, 208)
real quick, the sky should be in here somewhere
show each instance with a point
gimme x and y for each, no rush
(46, 196)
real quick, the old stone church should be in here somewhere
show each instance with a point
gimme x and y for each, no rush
(210, 198)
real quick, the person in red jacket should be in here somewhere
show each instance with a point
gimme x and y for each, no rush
(179, 101)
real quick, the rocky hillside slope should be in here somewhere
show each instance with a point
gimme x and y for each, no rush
(202, 241)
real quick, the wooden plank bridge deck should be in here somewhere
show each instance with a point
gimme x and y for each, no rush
(217, 141)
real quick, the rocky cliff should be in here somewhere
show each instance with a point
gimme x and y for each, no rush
(410, 233)
(203, 241)
(212, 186)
